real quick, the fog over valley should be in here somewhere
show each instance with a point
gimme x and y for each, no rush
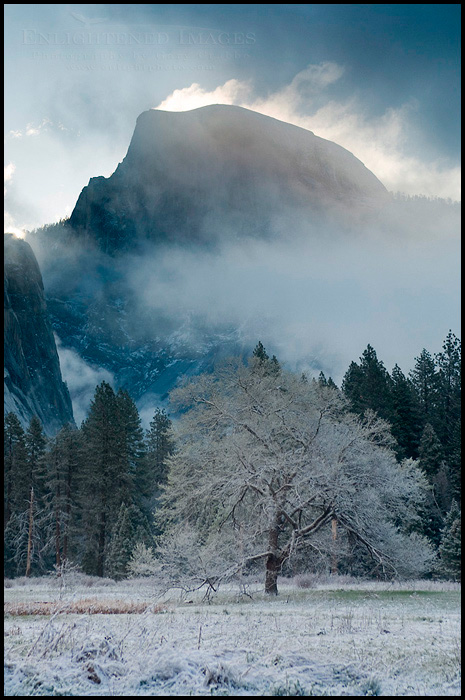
(215, 249)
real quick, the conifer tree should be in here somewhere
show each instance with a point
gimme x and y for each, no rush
(130, 529)
(450, 547)
(275, 367)
(431, 461)
(261, 357)
(448, 426)
(106, 481)
(72, 451)
(26, 529)
(133, 448)
(424, 380)
(404, 415)
(36, 442)
(121, 545)
(368, 385)
(63, 462)
(160, 445)
(430, 451)
(16, 492)
(260, 352)
(114, 471)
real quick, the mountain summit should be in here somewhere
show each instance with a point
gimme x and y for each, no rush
(190, 182)
(192, 177)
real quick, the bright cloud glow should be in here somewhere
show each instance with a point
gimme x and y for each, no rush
(10, 227)
(378, 142)
(8, 171)
(232, 92)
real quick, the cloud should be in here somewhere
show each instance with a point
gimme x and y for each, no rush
(10, 225)
(8, 220)
(35, 129)
(380, 142)
(8, 171)
(32, 130)
(232, 92)
(315, 300)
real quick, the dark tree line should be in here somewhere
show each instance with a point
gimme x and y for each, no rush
(87, 495)
(424, 411)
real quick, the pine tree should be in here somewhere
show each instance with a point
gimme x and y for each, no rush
(16, 491)
(448, 425)
(404, 415)
(64, 464)
(160, 445)
(450, 547)
(106, 481)
(368, 385)
(331, 383)
(352, 386)
(35, 445)
(262, 360)
(454, 459)
(424, 381)
(131, 528)
(133, 446)
(431, 461)
(260, 352)
(114, 471)
(430, 452)
(72, 451)
(275, 367)
(26, 527)
(121, 545)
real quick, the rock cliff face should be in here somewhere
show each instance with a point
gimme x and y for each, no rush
(190, 176)
(190, 180)
(32, 378)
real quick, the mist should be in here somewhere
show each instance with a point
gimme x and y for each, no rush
(317, 300)
(314, 295)
(81, 379)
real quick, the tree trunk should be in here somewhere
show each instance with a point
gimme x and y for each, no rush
(334, 562)
(273, 564)
(271, 576)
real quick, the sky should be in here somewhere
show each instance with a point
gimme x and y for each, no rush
(380, 80)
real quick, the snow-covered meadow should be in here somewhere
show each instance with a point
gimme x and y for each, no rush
(337, 637)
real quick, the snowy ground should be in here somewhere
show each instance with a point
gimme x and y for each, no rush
(334, 639)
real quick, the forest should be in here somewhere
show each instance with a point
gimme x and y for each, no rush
(256, 469)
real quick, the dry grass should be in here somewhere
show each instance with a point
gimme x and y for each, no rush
(90, 606)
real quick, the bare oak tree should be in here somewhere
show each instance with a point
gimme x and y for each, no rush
(265, 460)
